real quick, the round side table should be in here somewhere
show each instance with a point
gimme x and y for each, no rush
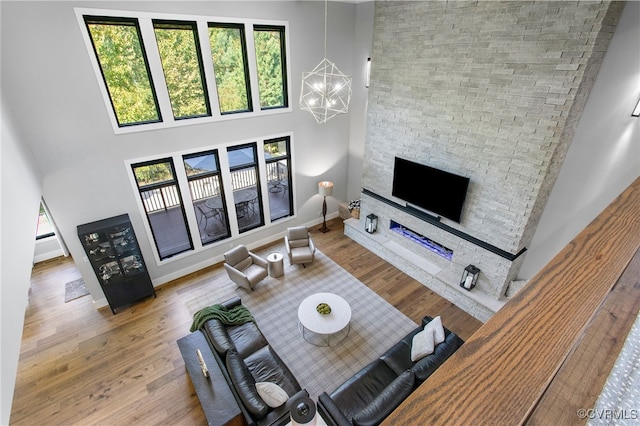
(275, 264)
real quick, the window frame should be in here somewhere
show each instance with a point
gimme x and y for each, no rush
(218, 174)
(283, 54)
(245, 58)
(174, 181)
(144, 20)
(256, 165)
(288, 157)
(113, 20)
(225, 170)
(198, 48)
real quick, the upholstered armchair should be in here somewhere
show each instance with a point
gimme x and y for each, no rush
(299, 245)
(245, 268)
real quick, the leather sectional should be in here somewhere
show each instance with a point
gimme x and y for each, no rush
(367, 398)
(245, 357)
(370, 395)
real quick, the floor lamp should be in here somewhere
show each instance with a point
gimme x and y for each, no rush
(325, 189)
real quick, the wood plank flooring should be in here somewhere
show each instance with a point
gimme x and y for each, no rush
(79, 365)
(562, 326)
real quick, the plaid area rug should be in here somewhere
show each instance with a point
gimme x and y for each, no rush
(74, 290)
(375, 324)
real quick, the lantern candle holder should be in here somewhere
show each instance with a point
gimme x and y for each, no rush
(371, 223)
(469, 277)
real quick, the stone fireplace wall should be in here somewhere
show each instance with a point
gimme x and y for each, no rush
(488, 90)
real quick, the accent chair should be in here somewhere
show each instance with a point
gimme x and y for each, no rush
(245, 268)
(299, 244)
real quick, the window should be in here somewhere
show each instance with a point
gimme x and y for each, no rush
(277, 159)
(123, 64)
(182, 65)
(196, 199)
(159, 70)
(229, 54)
(207, 195)
(158, 188)
(45, 227)
(243, 166)
(270, 57)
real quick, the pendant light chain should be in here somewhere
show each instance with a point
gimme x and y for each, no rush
(325, 28)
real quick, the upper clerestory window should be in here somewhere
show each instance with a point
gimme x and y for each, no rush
(123, 63)
(164, 70)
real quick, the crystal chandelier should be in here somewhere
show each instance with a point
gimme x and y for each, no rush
(326, 91)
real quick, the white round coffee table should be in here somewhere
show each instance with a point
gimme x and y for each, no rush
(324, 330)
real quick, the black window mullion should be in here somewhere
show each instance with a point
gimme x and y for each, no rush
(122, 21)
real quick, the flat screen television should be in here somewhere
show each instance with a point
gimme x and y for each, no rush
(432, 189)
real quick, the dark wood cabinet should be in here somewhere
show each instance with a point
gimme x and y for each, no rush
(113, 251)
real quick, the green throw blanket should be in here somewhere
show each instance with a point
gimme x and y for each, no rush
(234, 316)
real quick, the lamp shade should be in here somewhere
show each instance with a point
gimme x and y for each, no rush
(325, 188)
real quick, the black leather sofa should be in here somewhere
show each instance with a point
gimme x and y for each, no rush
(369, 396)
(245, 357)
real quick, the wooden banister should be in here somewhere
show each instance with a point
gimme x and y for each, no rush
(502, 372)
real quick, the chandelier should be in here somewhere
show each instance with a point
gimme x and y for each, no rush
(326, 91)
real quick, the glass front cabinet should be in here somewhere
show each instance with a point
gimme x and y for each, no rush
(114, 254)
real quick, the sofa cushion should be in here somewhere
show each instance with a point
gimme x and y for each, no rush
(355, 394)
(243, 264)
(302, 254)
(266, 366)
(435, 326)
(255, 273)
(387, 401)
(236, 255)
(247, 338)
(427, 365)
(272, 394)
(298, 235)
(422, 344)
(398, 357)
(245, 385)
(219, 336)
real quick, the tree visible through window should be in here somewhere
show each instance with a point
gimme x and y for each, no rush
(228, 51)
(120, 53)
(182, 65)
(45, 227)
(269, 44)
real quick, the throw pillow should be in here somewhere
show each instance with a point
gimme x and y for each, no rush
(435, 325)
(422, 345)
(272, 394)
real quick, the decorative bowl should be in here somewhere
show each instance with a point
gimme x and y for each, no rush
(323, 309)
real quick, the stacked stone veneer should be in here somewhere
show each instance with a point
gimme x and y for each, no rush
(489, 90)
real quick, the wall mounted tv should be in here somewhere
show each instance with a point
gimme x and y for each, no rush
(435, 190)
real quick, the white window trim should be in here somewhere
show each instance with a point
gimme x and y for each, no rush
(183, 187)
(157, 73)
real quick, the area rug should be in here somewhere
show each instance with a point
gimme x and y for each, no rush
(74, 290)
(375, 324)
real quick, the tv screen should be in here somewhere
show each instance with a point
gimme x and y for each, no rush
(435, 190)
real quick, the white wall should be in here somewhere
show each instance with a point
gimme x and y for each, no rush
(19, 204)
(604, 157)
(60, 117)
(50, 84)
(361, 51)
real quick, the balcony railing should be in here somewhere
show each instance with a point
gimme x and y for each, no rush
(163, 196)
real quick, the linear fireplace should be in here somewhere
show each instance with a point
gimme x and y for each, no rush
(428, 243)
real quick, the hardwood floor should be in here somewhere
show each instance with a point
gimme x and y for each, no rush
(79, 365)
